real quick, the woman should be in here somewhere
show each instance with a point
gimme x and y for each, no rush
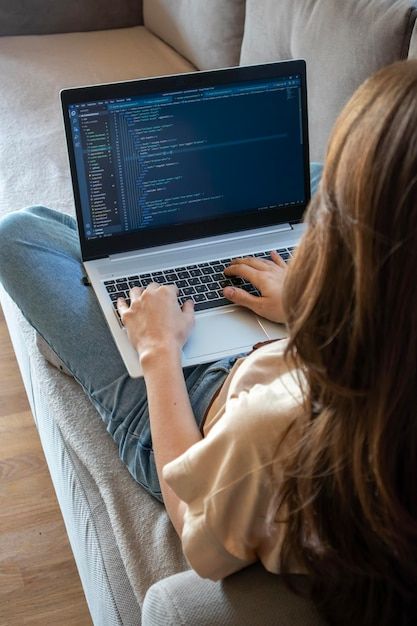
(301, 455)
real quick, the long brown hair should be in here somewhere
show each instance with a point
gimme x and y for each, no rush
(351, 305)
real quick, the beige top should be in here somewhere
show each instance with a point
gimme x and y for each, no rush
(230, 480)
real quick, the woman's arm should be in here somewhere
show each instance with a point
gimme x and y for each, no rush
(173, 426)
(158, 329)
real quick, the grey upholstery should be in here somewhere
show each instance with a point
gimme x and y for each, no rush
(209, 34)
(52, 16)
(32, 102)
(252, 597)
(343, 42)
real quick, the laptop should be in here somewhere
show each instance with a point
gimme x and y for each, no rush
(175, 176)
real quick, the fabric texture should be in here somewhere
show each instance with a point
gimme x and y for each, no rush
(342, 42)
(33, 71)
(252, 597)
(38, 17)
(208, 34)
(230, 479)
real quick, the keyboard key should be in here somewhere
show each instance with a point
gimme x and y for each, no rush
(195, 272)
(123, 286)
(211, 295)
(217, 277)
(171, 277)
(120, 280)
(133, 277)
(111, 288)
(189, 290)
(218, 268)
(250, 289)
(134, 283)
(201, 288)
(207, 270)
(181, 284)
(211, 304)
(194, 281)
(115, 296)
(159, 279)
(109, 282)
(146, 281)
(183, 274)
(206, 279)
(199, 297)
(213, 286)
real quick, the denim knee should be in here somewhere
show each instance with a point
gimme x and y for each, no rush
(316, 170)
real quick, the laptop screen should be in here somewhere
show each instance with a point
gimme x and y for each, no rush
(165, 160)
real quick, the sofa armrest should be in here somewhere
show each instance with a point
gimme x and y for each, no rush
(251, 596)
(40, 17)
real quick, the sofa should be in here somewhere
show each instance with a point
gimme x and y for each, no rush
(128, 555)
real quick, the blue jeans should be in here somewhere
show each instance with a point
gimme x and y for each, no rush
(41, 269)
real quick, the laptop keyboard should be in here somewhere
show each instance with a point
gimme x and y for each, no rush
(203, 282)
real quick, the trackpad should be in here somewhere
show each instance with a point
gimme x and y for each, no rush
(229, 331)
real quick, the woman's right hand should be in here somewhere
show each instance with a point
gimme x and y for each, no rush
(268, 277)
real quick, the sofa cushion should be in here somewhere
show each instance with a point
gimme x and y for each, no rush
(33, 155)
(209, 34)
(342, 42)
(37, 17)
(249, 597)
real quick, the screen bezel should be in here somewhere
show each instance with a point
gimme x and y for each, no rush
(147, 238)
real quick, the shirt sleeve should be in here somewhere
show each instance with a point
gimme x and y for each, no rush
(229, 482)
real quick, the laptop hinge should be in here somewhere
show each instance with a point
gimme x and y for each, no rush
(200, 243)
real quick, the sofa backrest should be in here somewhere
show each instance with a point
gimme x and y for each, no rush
(206, 32)
(39, 17)
(343, 42)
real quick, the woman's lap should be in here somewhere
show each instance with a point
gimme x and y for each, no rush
(40, 268)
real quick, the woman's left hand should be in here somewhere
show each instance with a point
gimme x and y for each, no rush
(154, 320)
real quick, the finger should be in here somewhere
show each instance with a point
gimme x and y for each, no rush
(152, 286)
(136, 292)
(122, 306)
(243, 271)
(173, 287)
(277, 259)
(242, 297)
(255, 262)
(188, 308)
